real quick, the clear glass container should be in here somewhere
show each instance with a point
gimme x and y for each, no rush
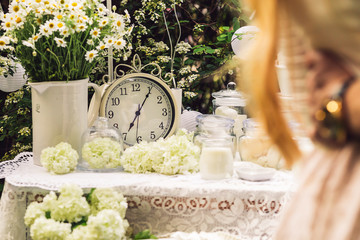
(231, 103)
(102, 147)
(210, 126)
(216, 159)
(255, 146)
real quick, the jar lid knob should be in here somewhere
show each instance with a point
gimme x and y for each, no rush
(231, 86)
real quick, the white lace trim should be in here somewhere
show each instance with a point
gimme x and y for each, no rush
(8, 167)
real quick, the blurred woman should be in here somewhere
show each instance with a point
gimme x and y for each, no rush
(321, 43)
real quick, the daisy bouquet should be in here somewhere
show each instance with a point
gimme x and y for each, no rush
(62, 40)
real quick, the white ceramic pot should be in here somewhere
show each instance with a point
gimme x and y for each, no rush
(59, 113)
(15, 82)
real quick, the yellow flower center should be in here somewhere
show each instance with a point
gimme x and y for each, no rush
(8, 24)
(74, 4)
(2, 43)
(38, 21)
(118, 23)
(104, 22)
(18, 20)
(95, 33)
(118, 42)
(38, 1)
(102, 47)
(110, 41)
(16, 8)
(51, 25)
(72, 16)
(62, 1)
(35, 38)
(91, 55)
(59, 17)
(60, 25)
(81, 27)
(45, 30)
(46, 2)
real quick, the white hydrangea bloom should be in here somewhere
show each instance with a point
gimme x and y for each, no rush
(108, 224)
(60, 159)
(71, 206)
(175, 155)
(49, 229)
(107, 198)
(102, 153)
(34, 210)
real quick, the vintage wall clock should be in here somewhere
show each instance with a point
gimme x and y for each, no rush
(141, 106)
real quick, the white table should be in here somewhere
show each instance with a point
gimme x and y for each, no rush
(157, 202)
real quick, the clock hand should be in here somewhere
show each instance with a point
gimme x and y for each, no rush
(137, 125)
(137, 113)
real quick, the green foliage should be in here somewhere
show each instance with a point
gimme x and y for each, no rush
(15, 123)
(146, 234)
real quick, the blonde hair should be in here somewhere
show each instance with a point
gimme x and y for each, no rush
(263, 79)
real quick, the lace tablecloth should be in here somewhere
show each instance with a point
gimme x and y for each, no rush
(157, 202)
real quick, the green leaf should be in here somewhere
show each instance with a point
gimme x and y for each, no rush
(88, 196)
(144, 235)
(210, 50)
(197, 50)
(48, 214)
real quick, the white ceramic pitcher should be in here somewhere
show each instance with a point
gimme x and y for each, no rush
(60, 113)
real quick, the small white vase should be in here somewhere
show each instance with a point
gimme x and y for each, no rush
(15, 82)
(177, 92)
(59, 113)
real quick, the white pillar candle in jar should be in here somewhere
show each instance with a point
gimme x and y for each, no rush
(216, 159)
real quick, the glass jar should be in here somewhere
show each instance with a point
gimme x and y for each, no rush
(210, 126)
(231, 103)
(255, 146)
(102, 147)
(216, 159)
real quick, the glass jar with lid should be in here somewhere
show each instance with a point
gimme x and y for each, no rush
(210, 126)
(216, 159)
(231, 103)
(255, 146)
(102, 147)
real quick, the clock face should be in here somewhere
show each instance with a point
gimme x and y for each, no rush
(142, 107)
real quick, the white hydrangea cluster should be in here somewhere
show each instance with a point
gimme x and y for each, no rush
(102, 153)
(106, 198)
(44, 228)
(55, 217)
(60, 159)
(106, 225)
(175, 155)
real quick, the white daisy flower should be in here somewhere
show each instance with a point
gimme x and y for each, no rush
(35, 37)
(103, 22)
(60, 42)
(90, 42)
(95, 33)
(51, 25)
(120, 43)
(90, 55)
(119, 23)
(45, 31)
(109, 41)
(101, 46)
(28, 44)
(81, 27)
